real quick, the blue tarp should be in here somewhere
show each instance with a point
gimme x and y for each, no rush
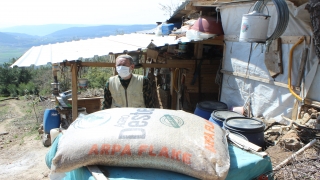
(243, 166)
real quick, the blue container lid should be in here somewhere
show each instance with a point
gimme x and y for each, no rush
(211, 105)
(244, 124)
(224, 114)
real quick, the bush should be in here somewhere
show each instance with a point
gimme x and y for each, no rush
(12, 89)
(28, 88)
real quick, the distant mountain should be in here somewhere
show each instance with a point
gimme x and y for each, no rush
(98, 31)
(14, 44)
(7, 38)
(39, 30)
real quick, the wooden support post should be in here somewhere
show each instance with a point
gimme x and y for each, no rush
(173, 92)
(199, 50)
(74, 72)
(198, 54)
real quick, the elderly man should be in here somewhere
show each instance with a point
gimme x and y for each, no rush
(127, 89)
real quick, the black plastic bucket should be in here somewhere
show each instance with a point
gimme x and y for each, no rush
(205, 108)
(219, 116)
(251, 128)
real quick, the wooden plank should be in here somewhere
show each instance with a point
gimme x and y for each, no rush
(90, 64)
(284, 39)
(312, 103)
(173, 93)
(244, 142)
(214, 41)
(301, 68)
(214, 3)
(74, 84)
(156, 65)
(294, 39)
(199, 50)
(268, 81)
(153, 54)
(96, 173)
(273, 58)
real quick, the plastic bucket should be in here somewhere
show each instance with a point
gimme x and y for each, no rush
(205, 108)
(51, 120)
(219, 116)
(83, 83)
(251, 128)
(167, 28)
(254, 27)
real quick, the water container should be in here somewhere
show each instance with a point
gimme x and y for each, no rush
(254, 27)
(51, 119)
(205, 108)
(83, 83)
(167, 28)
(54, 133)
(219, 116)
(251, 128)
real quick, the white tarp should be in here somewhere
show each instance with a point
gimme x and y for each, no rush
(58, 52)
(267, 100)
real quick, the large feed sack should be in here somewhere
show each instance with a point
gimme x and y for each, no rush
(151, 138)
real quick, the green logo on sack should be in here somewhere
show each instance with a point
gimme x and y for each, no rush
(170, 120)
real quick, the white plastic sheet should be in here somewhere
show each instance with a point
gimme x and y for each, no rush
(267, 99)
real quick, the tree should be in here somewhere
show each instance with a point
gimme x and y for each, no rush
(169, 8)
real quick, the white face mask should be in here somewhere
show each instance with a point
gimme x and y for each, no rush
(123, 71)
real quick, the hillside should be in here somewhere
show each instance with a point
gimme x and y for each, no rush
(98, 31)
(39, 30)
(14, 44)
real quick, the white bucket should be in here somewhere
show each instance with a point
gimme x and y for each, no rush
(83, 83)
(54, 133)
(254, 27)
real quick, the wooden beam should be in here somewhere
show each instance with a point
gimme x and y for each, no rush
(284, 39)
(198, 50)
(312, 103)
(74, 82)
(218, 40)
(173, 92)
(89, 64)
(214, 3)
(268, 81)
(171, 65)
(301, 68)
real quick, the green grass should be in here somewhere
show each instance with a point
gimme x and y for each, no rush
(7, 53)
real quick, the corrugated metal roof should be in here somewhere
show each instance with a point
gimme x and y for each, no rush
(56, 53)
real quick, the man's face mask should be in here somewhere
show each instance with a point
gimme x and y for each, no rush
(123, 71)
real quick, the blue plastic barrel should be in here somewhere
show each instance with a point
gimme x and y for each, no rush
(205, 108)
(167, 28)
(218, 116)
(252, 129)
(51, 120)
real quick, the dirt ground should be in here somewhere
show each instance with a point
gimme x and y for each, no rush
(22, 155)
(20, 158)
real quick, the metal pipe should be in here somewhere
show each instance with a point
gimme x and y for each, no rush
(290, 67)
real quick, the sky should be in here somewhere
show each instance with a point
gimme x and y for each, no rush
(89, 12)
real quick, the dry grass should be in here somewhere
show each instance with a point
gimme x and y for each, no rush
(23, 118)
